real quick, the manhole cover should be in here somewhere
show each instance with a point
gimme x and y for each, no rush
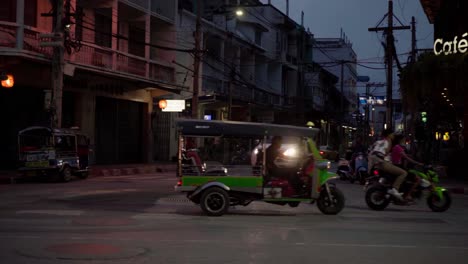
(82, 251)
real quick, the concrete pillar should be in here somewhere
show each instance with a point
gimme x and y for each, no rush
(148, 134)
(87, 108)
(148, 40)
(20, 23)
(115, 31)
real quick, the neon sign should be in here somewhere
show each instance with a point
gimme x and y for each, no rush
(451, 47)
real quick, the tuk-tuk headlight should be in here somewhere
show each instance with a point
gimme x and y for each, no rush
(59, 162)
(323, 165)
(291, 152)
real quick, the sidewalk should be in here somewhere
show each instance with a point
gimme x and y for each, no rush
(8, 176)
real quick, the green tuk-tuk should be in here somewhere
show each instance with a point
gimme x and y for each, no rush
(62, 153)
(299, 175)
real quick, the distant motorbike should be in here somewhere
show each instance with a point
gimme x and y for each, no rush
(377, 198)
(344, 169)
(360, 172)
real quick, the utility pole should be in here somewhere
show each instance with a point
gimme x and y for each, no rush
(413, 40)
(389, 58)
(231, 84)
(57, 67)
(342, 88)
(196, 63)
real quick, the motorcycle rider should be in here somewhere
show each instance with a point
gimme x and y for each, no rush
(380, 158)
(358, 147)
(400, 159)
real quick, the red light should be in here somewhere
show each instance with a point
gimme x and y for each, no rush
(376, 172)
(179, 183)
(321, 152)
(309, 169)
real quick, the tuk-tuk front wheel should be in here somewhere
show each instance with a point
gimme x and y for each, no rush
(333, 206)
(66, 174)
(215, 201)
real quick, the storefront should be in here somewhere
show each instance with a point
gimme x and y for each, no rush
(434, 87)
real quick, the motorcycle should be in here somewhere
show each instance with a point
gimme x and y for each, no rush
(360, 172)
(377, 198)
(344, 169)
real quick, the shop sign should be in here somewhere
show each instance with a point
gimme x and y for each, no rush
(451, 47)
(172, 105)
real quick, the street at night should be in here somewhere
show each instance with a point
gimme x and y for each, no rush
(140, 219)
(233, 131)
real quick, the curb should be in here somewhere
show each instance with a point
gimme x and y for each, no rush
(11, 176)
(148, 169)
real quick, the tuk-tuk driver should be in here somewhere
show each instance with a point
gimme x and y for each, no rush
(272, 153)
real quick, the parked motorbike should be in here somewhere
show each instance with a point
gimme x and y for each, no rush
(377, 198)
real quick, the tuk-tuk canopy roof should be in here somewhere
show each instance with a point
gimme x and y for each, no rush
(194, 127)
(47, 131)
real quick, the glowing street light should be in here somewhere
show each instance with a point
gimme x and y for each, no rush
(239, 12)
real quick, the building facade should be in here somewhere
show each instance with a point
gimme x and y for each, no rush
(116, 62)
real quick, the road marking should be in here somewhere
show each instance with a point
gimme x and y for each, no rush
(51, 212)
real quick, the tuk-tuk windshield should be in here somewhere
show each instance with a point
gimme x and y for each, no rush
(34, 142)
(65, 143)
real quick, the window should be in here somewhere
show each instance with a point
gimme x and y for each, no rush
(258, 38)
(103, 25)
(8, 12)
(30, 13)
(136, 40)
(79, 23)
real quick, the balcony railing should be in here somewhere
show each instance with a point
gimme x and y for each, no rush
(31, 39)
(89, 55)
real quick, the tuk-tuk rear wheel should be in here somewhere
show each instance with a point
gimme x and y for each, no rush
(215, 201)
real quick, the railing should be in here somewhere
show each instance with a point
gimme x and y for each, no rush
(131, 64)
(31, 39)
(212, 85)
(7, 34)
(89, 54)
(95, 56)
(162, 73)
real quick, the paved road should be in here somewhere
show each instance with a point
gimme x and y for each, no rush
(139, 219)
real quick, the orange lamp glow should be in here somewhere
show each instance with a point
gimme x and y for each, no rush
(162, 104)
(9, 82)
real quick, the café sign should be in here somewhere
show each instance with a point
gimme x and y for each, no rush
(451, 47)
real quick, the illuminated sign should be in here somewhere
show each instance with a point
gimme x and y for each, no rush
(172, 105)
(451, 47)
(372, 100)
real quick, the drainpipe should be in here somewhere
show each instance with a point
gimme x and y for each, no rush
(20, 23)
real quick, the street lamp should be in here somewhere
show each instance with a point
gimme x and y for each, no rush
(239, 12)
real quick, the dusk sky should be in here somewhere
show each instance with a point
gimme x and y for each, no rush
(325, 18)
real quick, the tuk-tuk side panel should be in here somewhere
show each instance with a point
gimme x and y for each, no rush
(231, 181)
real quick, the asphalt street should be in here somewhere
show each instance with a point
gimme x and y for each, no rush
(139, 219)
